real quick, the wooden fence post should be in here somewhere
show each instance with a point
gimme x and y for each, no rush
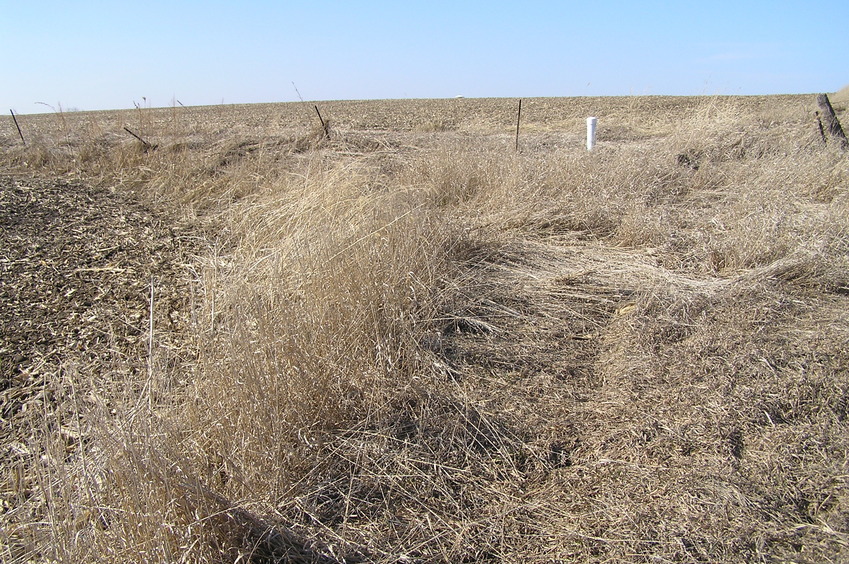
(832, 124)
(147, 146)
(324, 125)
(518, 120)
(18, 126)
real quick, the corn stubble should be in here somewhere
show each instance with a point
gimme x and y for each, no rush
(409, 343)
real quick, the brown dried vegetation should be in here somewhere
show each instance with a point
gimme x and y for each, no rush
(408, 343)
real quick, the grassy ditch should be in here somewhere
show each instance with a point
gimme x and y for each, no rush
(409, 342)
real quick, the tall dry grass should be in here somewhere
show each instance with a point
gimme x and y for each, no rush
(432, 348)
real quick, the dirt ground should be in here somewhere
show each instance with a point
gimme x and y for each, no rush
(76, 268)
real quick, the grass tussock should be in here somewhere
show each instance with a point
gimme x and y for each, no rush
(422, 345)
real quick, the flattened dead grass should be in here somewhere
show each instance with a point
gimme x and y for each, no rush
(414, 344)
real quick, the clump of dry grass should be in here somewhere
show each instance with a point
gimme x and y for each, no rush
(436, 349)
(312, 315)
(841, 97)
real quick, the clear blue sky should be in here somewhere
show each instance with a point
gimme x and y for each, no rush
(110, 54)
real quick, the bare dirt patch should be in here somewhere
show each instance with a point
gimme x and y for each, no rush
(76, 268)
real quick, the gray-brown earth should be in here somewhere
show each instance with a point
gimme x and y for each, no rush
(76, 267)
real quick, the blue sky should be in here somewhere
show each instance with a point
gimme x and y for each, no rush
(112, 54)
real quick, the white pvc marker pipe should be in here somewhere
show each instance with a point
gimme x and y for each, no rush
(591, 127)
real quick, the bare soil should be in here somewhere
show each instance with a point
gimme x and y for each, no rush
(77, 264)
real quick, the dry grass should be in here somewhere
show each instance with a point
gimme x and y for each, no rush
(408, 342)
(841, 97)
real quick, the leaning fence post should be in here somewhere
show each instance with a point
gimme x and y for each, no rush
(18, 126)
(324, 125)
(832, 124)
(591, 129)
(147, 146)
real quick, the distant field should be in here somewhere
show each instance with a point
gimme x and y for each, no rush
(231, 335)
(489, 115)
